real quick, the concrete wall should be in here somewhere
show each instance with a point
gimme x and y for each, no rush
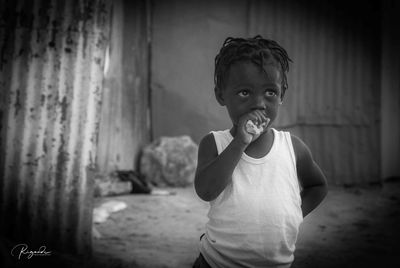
(186, 37)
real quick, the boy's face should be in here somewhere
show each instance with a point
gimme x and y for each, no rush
(247, 87)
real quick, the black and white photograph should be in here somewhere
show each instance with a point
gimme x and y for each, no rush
(199, 133)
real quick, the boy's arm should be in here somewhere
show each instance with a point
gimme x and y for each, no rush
(214, 171)
(310, 175)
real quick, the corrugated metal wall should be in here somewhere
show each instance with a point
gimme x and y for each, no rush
(390, 98)
(333, 101)
(51, 71)
(125, 120)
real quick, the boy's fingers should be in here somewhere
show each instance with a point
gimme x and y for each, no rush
(253, 117)
(261, 116)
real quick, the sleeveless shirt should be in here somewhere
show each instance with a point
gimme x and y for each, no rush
(254, 221)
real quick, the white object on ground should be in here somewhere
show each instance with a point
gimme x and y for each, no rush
(113, 205)
(161, 192)
(254, 129)
(101, 213)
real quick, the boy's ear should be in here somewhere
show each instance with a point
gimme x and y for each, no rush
(219, 96)
(282, 95)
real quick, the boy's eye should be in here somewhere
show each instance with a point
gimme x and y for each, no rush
(243, 93)
(270, 93)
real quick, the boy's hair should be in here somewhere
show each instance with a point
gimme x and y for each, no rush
(257, 50)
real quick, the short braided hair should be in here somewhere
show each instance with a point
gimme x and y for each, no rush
(257, 50)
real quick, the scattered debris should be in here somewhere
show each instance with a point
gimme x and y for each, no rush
(101, 213)
(111, 185)
(161, 192)
(123, 182)
(138, 182)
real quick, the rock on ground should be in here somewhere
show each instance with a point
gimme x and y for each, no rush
(170, 161)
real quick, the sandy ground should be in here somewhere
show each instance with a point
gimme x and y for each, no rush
(353, 227)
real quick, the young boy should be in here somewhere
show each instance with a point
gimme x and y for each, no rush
(260, 182)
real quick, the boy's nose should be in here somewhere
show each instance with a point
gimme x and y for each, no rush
(259, 103)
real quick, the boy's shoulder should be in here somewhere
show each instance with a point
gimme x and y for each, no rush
(301, 150)
(207, 148)
(207, 138)
(308, 171)
(208, 141)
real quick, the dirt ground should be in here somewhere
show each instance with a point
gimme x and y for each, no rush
(353, 227)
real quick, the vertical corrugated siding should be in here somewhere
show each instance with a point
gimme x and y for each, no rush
(334, 83)
(390, 100)
(124, 127)
(51, 64)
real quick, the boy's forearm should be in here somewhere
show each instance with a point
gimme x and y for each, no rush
(212, 179)
(312, 197)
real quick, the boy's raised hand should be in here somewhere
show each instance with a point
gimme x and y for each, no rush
(244, 128)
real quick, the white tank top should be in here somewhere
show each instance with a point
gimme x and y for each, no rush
(254, 222)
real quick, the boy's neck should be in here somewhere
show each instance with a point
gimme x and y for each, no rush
(261, 146)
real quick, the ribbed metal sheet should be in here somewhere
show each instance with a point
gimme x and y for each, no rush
(51, 70)
(390, 94)
(334, 83)
(124, 126)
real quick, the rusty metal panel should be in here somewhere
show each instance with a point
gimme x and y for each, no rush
(51, 73)
(125, 119)
(334, 83)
